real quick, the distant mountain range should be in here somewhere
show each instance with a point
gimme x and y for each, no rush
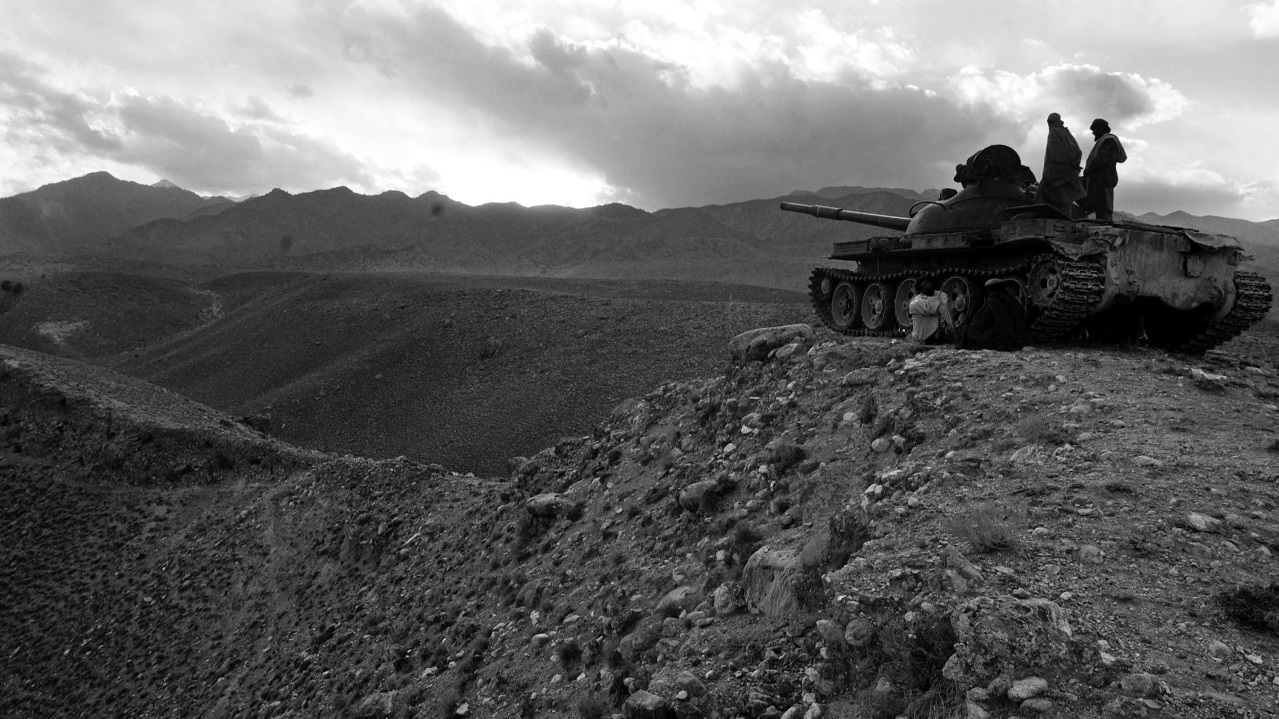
(100, 218)
(87, 211)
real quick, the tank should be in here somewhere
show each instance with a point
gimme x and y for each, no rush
(1177, 288)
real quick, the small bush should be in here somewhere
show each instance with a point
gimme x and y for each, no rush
(592, 707)
(568, 652)
(746, 540)
(988, 528)
(786, 455)
(1042, 430)
(1254, 606)
(869, 409)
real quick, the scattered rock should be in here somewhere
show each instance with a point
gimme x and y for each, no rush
(646, 705)
(677, 601)
(1091, 554)
(756, 344)
(1202, 522)
(729, 599)
(1027, 688)
(699, 497)
(1140, 685)
(549, 505)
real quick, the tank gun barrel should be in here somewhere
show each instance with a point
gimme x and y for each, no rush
(834, 213)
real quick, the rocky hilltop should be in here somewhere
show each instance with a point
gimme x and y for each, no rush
(832, 527)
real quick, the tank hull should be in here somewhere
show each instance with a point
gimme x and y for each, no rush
(1178, 288)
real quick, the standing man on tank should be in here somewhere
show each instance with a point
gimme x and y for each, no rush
(1059, 184)
(1100, 176)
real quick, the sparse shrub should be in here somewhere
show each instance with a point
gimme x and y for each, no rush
(911, 657)
(568, 652)
(612, 654)
(786, 455)
(869, 409)
(746, 540)
(1254, 606)
(988, 528)
(1041, 429)
(450, 697)
(591, 706)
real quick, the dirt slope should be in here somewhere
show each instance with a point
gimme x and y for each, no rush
(853, 526)
(464, 372)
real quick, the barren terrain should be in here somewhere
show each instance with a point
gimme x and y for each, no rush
(463, 371)
(839, 527)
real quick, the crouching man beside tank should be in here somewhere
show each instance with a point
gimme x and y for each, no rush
(930, 314)
(1000, 324)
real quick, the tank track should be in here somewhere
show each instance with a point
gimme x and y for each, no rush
(1081, 286)
(1252, 303)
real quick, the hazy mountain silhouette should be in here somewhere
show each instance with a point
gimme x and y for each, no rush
(88, 210)
(751, 242)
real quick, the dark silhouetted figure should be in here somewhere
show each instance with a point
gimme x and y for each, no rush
(1100, 175)
(1060, 185)
(1000, 324)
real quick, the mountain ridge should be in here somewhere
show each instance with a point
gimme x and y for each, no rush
(105, 220)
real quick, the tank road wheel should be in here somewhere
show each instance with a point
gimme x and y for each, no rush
(877, 307)
(901, 301)
(961, 293)
(1045, 280)
(1018, 290)
(845, 306)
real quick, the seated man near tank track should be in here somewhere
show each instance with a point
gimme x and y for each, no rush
(929, 314)
(1000, 324)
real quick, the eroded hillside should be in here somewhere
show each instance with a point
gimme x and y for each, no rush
(831, 527)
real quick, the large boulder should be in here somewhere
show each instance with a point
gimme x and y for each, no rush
(646, 705)
(1010, 637)
(778, 583)
(677, 601)
(699, 497)
(550, 505)
(756, 344)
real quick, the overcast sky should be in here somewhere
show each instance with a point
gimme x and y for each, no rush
(655, 103)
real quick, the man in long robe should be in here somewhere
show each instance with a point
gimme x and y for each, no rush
(1059, 185)
(1000, 324)
(1100, 175)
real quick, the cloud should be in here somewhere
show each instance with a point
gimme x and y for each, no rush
(1263, 18)
(1080, 90)
(36, 112)
(196, 148)
(657, 135)
(187, 143)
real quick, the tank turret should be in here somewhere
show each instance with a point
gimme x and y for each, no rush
(1181, 288)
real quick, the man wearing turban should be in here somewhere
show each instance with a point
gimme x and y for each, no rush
(1100, 176)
